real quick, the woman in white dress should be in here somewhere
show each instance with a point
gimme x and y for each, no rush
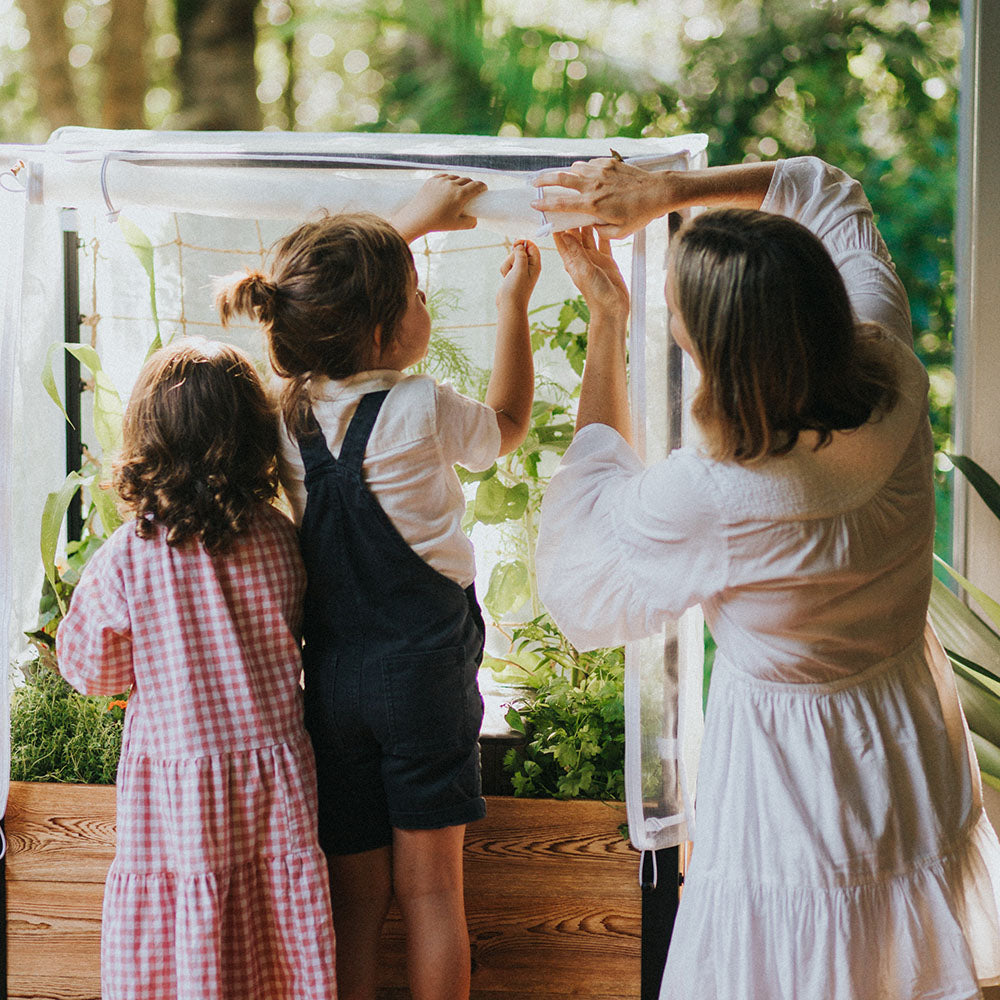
(842, 850)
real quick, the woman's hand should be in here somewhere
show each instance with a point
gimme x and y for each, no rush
(589, 263)
(520, 273)
(621, 197)
(438, 206)
(624, 198)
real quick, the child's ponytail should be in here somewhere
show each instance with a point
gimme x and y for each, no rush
(332, 283)
(249, 294)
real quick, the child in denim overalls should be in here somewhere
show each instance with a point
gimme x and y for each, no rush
(393, 631)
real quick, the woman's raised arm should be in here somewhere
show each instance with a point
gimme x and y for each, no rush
(623, 198)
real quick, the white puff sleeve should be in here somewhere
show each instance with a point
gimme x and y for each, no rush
(623, 548)
(833, 206)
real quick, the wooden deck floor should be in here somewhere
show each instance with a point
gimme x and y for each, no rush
(551, 893)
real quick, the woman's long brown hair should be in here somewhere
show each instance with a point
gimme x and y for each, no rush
(775, 340)
(200, 441)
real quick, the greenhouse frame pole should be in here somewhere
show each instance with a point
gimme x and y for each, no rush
(73, 385)
(660, 876)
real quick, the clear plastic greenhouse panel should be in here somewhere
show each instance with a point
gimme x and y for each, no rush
(157, 216)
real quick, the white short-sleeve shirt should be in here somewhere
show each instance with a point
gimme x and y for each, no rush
(423, 430)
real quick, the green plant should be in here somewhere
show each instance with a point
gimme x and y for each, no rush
(972, 645)
(509, 494)
(58, 734)
(571, 714)
(570, 708)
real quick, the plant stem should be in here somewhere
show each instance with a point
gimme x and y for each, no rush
(530, 532)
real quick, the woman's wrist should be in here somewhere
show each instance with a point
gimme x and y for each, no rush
(608, 318)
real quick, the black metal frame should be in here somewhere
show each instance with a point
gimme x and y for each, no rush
(3, 910)
(73, 385)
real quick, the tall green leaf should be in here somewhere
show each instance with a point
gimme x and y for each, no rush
(961, 629)
(988, 755)
(142, 247)
(990, 606)
(53, 513)
(980, 704)
(982, 482)
(49, 380)
(108, 409)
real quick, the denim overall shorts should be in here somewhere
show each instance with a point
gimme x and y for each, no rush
(391, 654)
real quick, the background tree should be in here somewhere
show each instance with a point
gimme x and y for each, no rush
(68, 42)
(49, 46)
(216, 76)
(125, 79)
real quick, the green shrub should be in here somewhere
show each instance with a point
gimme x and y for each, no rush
(572, 715)
(58, 734)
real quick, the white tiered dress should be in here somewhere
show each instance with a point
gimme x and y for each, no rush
(842, 852)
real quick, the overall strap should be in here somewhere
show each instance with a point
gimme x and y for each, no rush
(312, 445)
(352, 451)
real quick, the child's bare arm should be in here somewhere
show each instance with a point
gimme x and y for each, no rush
(511, 389)
(438, 205)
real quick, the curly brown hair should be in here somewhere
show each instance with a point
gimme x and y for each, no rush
(774, 336)
(331, 283)
(200, 441)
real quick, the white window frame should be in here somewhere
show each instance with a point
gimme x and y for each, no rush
(976, 548)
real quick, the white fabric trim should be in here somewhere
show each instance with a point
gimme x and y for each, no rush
(13, 209)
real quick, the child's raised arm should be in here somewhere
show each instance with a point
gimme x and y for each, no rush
(439, 205)
(511, 390)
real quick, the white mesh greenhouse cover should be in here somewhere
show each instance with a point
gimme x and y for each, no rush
(211, 203)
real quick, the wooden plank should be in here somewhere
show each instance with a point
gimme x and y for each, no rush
(61, 841)
(403, 993)
(535, 846)
(54, 940)
(522, 946)
(59, 833)
(552, 901)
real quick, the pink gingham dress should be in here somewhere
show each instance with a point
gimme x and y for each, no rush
(218, 888)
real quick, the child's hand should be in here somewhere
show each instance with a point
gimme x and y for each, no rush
(439, 205)
(520, 274)
(593, 270)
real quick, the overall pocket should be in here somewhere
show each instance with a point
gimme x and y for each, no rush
(432, 700)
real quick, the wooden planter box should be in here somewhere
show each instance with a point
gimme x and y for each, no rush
(552, 898)
(60, 842)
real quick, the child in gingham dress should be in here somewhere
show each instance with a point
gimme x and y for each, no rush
(218, 890)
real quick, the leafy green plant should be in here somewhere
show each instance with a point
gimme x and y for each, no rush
(509, 494)
(972, 644)
(58, 734)
(571, 714)
(569, 706)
